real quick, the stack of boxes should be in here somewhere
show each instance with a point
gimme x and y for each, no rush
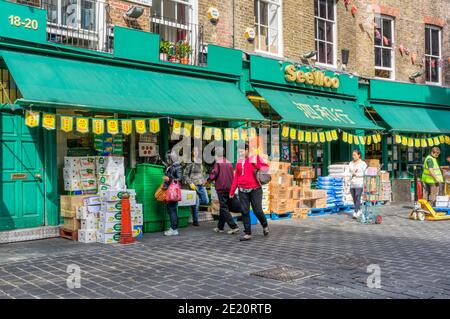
(80, 174)
(315, 198)
(110, 173)
(88, 214)
(442, 201)
(68, 206)
(280, 189)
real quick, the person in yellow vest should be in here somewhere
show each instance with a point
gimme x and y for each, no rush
(431, 176)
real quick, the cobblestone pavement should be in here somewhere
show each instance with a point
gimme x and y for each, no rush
(333, 251)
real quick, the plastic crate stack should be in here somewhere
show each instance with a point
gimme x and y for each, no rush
(334, 188)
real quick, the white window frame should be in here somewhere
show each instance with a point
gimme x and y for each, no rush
(193, 14)
(58, 28)
(278, 3)
(334, 43)
(392, 68)
(437, 57)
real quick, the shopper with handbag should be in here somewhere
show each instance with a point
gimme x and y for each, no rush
(172, 180)
(193, 177)
(249, 189)
(222, 175)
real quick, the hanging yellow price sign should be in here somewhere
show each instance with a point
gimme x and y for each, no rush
(197, 131)
(112, 126)
(293, 133)
(362, 140)
(308, 137)
(328, 136)
(82, 124)
(436, 141)
(217, 134)
(322, 137)
(315, 137)
(355, 139)
(244, 134)
(350, 138)
(334, 135)
(98, 126)
(252, 132)
(285, 131)
(187, 129)
(49, 121)
(345, 137)
(176, 127)
(127, 126)
(154, 126)
(416, 142)
(369, 140)
(404, 141)
(430, 141)
(447, 140)
(31, 118)
(301, 136)
(207, 134)
(236, 134)
(140, 126)
(423, 142)
(227, 134)
(66, 123)
(378, 138)
(398, 139)
(442, 139)
(410, 142)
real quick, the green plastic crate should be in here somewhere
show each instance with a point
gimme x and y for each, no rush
(153, 227)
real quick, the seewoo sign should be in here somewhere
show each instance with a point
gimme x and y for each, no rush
(314, 78)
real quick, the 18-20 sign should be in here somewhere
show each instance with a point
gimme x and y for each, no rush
(26, 23)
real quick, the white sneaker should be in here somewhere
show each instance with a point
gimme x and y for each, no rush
(171, 232)
(217, 230)
(233, 231)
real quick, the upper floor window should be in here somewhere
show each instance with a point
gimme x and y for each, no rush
(81, 23)
(432, 54)
(325, 31)
(268, 26)
(384, 50)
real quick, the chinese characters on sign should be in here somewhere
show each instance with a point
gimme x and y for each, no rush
(317, 112)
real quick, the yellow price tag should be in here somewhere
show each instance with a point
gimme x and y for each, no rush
(423, 142)
(369, 140)
(82, 124)
(154, 126)
(301, 136)
(362, 140)
(334, 135)
(176, 127)
(227, 134)
(293, 133)
(398, 139)
(416, 142)
(315, 137)
(436, 141)
(140, 126)
(31, 118)
(127, 127)
(49, 121)
(308, 137)
(285, 131)
(66, 123)
(197, 131)
(252, 132)
(328, 136)
(98, 126)
(244, 134)
(187, 129)
(217, 134)
(112, 126)
(410, 142)
(430, 141)
(207, 134)
(350, 138)
(236, 134)
(345, 137)
(322, 137)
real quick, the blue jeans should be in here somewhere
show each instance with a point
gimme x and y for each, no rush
(172, 208)
(202, 199)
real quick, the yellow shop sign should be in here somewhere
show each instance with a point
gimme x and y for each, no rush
(316, 78)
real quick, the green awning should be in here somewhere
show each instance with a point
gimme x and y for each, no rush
(316, 111)
(414, 119)
(65, 82)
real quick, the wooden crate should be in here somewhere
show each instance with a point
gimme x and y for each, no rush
(68, 233)
(300, 213)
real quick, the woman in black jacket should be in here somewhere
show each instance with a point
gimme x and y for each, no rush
(173, 172)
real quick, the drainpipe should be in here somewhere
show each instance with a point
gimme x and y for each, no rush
(234, 25)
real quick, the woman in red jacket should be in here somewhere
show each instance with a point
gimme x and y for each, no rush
(250, 191)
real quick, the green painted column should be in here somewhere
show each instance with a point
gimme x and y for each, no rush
(326, 158)
(163, 138)
(384, 152)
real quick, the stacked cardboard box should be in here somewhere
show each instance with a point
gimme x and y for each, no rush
(110, 173)
(68, 208)
(281, 188)
(385, 191)
(79, 174)
(88, 214)
(443, 201)
(315, 198)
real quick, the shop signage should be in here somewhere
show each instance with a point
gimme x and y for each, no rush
(112, 126)
(154, 126)
(66, 123)
(207, 134)
(31, 118)
(197, 131)
(322, 113)
(49, 121)
(314, 78)
(98, 126)
(227, 134)
(217, 134)
(82, 124)
(127, 126)
(187, 129)
(140, 126)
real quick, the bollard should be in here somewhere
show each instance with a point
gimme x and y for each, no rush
(126, 233)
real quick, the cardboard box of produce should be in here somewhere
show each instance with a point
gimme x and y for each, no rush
(110, 216)
(91, 222)
(315, 193)
(304, 183)
(112, 238)
(373, 163)
(71, 223)
(72, 202)
(316, 203)
(301, 172)
(115, 195)
(87, 236)
(109, 227)
(137, 231)
(279, 167)
(84, 211)
(188, 198)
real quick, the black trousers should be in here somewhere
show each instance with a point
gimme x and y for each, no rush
(253, 198)
(224, 212)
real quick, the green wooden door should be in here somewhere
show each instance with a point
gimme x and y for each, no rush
(21, 172)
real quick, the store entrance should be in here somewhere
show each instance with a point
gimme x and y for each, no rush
(22, 173)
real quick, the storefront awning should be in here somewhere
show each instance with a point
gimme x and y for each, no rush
(318, 111)
(65, 82)
(414, 119)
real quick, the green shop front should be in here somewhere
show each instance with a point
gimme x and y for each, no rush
(317, 112)
(60, 101)
(416, 117)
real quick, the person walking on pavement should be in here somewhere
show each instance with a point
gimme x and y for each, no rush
(193, 177)
(222, 175)
(357, 167)
(250, 191)
(431, 176)
(173, 172)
